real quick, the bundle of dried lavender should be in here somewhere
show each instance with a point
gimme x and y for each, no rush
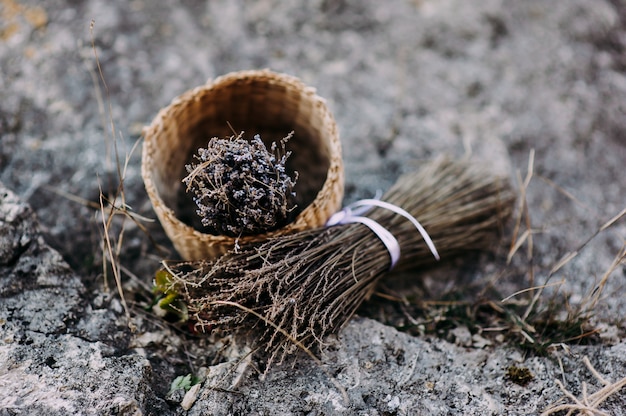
(240, 187)
(307, 285)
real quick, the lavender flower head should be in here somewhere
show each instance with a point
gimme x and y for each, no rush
(240, 187)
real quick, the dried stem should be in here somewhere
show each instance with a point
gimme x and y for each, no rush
(310, 283)
(588, 404)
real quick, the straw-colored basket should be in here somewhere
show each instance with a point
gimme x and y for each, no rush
(256, 102)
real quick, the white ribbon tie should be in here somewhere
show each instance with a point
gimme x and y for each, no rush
(354, 213)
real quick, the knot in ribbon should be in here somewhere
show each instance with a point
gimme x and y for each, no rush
(354, 213)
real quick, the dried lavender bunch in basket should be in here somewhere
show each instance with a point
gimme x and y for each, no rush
(240, 187)
(307, 285)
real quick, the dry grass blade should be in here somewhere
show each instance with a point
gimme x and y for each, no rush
(310, 283)
(110, 207)
(613, 220)
(588, 404)
(516, 242)
(118, 209)
(595, 297)
(531, 289)
(108, 249)
(571, 255)
(112, 255)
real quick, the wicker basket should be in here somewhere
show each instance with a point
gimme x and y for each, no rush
(255, 102)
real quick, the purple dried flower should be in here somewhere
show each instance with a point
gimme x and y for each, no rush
(240, 187)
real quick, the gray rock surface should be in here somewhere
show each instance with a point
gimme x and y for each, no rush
(406, 80)
(50, 365)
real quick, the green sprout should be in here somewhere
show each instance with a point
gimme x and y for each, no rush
(184, 382)
(166, 297)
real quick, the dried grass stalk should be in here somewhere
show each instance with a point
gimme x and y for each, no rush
(310, 283)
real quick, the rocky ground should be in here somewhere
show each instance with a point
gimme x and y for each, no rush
(406, 81)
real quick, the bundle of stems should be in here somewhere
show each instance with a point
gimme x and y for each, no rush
(304, 286)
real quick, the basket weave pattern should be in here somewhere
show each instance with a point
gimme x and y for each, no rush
(256, 102)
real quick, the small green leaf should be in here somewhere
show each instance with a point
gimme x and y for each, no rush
(162, 281)
(183, 382)
(166, 297)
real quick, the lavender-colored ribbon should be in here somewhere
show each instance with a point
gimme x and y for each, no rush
(354, 213)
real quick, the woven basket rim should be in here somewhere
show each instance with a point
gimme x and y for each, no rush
(328, 189)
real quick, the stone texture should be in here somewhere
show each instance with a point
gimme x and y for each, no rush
(406, 80)
(48, 366)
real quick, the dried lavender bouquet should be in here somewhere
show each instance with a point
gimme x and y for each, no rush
(307, 285)
(241, 187)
